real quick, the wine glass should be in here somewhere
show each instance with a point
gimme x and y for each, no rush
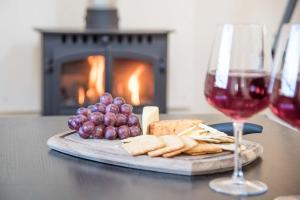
(237, 85)
(285, 79)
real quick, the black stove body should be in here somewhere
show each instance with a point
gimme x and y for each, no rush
(67, 46)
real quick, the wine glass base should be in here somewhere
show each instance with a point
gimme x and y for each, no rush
(231, 187)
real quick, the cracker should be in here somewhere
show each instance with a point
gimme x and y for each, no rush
(172, 142)
(230, 147)
(225, 139)
(188, 144)
(137, 138)
(186, 131)
(195, 133)
(206, 139)
(143, 145)
(203, 148)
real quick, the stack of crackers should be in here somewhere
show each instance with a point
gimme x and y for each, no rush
(195, 140)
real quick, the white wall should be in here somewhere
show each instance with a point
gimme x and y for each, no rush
(20, 68)
(193, 22)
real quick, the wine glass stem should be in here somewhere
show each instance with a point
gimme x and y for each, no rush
(238, 175)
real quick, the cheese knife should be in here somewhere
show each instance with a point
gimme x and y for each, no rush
(227, 128)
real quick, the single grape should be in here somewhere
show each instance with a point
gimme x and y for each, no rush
(93, 108)
(101, 107)
(110, 119)
(96, 117)
(126, 109)
(75, 125)
(106, 98)
(70, 125)
(83, 111)
(133, 120)
(123, 132)
(121, 119)
(83, 134)
(110, 133)
(135, 131)
(88, 127)
(119, 101)
(80, 119)
(112, 108)
(99, 132)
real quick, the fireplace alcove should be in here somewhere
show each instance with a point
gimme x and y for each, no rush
(79, 65)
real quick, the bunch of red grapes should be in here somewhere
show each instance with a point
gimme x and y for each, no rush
(111, 118)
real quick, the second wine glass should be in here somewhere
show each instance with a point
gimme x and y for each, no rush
(285, 80)
(237, 85)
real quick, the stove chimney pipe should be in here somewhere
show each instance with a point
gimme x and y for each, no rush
(102, 14)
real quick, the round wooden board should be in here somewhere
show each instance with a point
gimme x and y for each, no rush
(111, 152)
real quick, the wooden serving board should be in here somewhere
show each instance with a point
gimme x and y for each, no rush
(111, 152)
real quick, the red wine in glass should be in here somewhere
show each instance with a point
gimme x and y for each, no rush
(286, 107)
(246, 93)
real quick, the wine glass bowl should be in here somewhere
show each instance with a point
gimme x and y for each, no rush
(285, 80)
(245, 95)
(237, 84)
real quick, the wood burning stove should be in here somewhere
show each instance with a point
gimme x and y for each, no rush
(79, 65)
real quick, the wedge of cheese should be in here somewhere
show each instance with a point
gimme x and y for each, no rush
(150, 114)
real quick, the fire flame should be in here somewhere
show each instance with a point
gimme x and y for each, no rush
(134, 86)
(96, 77)
(81, 96)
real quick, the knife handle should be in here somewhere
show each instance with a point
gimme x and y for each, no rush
(227, 127)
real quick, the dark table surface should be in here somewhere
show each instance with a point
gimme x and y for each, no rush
(29, 170)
